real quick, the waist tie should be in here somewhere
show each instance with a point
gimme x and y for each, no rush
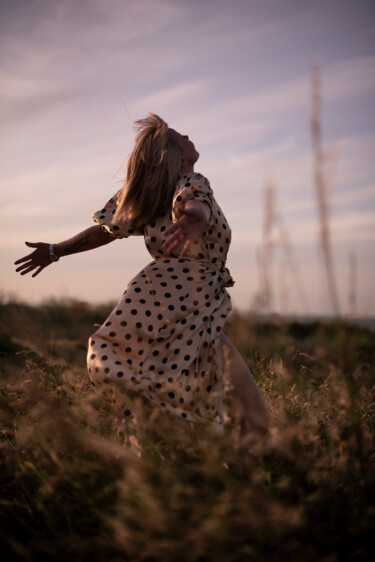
(225, 276)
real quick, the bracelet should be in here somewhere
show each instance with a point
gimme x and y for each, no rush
(52, 255)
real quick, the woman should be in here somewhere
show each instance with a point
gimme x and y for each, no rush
(164, 340)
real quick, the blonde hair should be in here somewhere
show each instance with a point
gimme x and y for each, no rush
(152, 173)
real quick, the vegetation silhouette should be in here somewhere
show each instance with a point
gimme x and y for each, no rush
(70, 490)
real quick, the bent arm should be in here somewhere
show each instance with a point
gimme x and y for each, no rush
(201, 207)
(189, 227)
(88, 239)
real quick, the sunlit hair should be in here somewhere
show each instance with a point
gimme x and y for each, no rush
(152, 174)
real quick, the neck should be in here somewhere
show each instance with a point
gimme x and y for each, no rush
(187, 169)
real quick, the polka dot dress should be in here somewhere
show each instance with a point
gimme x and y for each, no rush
(162, 339)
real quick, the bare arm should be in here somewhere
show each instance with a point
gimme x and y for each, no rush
(189, 227)
(88, 239)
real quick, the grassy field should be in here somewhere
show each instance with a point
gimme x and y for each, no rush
(71, 491)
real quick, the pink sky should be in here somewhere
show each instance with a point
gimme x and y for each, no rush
(235, 76)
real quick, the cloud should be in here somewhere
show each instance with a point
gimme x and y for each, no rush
(348, 78)
(55, 51)
(235, 77)
(164, 98)
(86, 24)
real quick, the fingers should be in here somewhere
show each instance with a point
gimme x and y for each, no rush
(26, 269)
(37, 260)
(22, 259)
(175, 226)
(30, 245)
(38, 271)
(174, 240)
(24, 265)
(30, 263)
(181, 233)
(185, 248)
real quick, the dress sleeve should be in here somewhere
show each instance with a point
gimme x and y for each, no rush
(194, 187)
(120, 228)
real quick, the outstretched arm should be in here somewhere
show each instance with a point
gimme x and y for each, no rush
(88, 239)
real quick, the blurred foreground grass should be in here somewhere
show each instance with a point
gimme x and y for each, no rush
(71, 491)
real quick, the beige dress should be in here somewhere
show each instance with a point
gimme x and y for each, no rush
(162, 339)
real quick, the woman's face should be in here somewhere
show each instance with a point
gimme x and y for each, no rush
(189, 155)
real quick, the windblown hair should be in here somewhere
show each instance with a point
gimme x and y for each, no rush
(152, 173)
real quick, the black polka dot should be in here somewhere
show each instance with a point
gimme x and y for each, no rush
(169, 293)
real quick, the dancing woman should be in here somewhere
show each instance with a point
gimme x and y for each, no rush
(164, 340)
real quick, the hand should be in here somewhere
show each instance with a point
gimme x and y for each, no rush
(187, 229)
(39, 259)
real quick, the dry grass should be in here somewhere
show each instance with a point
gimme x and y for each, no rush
(276, 243)
(71, 491)
(321, 182)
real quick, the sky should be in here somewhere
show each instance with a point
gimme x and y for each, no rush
(235, 75)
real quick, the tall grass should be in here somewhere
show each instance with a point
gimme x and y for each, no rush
(70, 490)
(275, 237)
(321, 187)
